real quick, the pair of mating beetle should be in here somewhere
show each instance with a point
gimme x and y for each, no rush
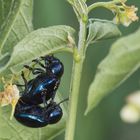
(41, 89)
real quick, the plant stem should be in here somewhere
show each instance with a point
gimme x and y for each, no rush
(75, 84)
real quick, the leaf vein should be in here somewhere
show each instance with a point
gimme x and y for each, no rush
(24, 19)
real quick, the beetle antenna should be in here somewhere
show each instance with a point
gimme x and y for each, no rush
(63, 101)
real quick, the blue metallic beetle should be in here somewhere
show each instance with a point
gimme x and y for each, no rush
(36, 116)
(43, 87)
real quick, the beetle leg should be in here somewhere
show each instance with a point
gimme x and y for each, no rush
(35, 71)
(44, 97)
(54, 92)
(19, 85)
(57, 85)
(53, 96)
(28, 67)
(52, 105)
(37, 61)
(25, 80)
(44, 101)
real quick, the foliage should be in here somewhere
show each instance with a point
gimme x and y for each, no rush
(19, 44)
(119, 64)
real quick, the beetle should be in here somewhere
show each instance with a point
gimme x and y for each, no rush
(52, 65)
(43, 87)
(36, 116)
(40, 89)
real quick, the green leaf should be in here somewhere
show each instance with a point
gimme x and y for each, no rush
(15, 22)
(122, 60)
(39, 43)
(100, 30)
(12, 130)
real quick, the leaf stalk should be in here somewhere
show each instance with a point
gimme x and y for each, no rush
(75, 83)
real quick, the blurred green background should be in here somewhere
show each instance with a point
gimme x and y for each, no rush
(104, 122)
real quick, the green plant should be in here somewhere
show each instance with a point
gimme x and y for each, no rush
(19, 44)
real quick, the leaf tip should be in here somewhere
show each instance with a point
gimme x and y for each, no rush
(86, 112)
(88, 109)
